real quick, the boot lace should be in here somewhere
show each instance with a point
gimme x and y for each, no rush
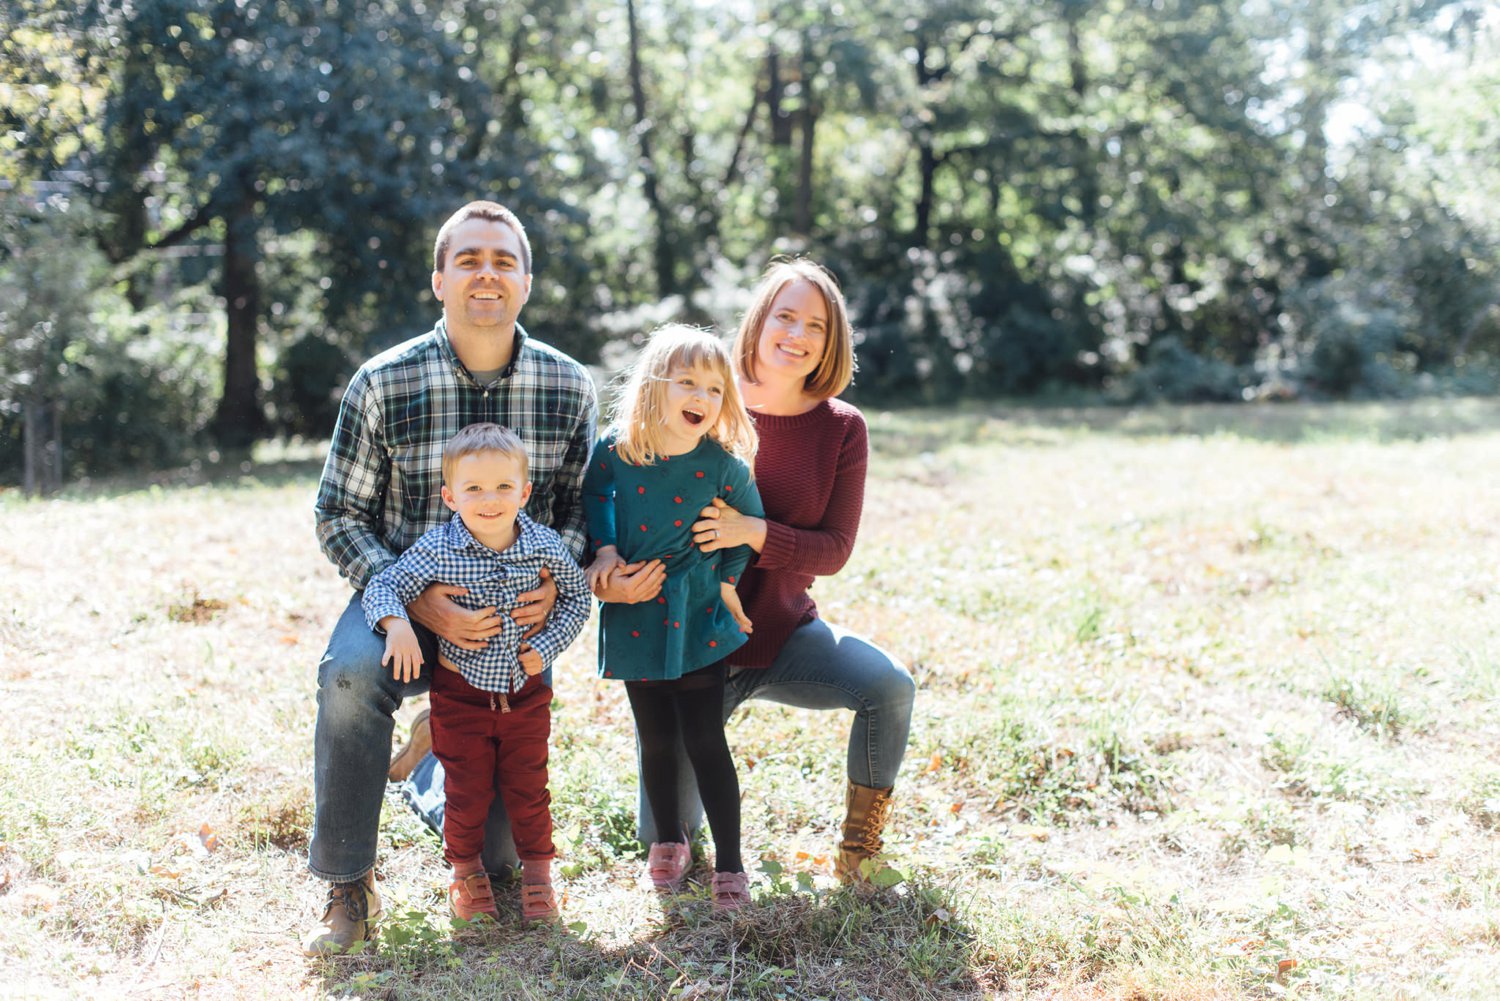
(352, 898)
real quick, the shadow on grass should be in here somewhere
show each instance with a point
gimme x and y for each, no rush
(909, 944)
(905, 433)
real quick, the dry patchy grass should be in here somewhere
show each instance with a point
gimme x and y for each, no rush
(1207, 709)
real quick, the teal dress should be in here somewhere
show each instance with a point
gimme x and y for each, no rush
(647, 512)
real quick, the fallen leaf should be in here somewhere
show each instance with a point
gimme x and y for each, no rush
(208, 837)
(290, 640)
(956, 807)
(939, 916)
(1284, 966)
(163, 871)
(934, 763)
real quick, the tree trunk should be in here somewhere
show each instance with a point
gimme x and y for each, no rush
(665, 255)
(239, 420)
(802, 221)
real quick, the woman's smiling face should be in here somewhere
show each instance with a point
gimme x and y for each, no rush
(795, 334)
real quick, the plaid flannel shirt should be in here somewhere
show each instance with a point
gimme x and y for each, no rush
(449, 554)
(379, 491)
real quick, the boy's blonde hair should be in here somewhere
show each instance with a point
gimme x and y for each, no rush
(641, 410)
(836, 368)
(484, 437)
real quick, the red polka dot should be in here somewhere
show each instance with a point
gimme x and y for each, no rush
(636, 633)
(731, 580)
(677, 500)
(713, 642)
(677, 625)
(643, 528)
(602, 497)
(729, 488)
(640, 490)
(661, 601)
(677, 523)
(699, 474)
(663, 621)
(609, 674)
(603, 466)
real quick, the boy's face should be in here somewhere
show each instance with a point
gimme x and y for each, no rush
(488, 490)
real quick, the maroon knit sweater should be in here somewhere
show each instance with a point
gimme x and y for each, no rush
(810, 471)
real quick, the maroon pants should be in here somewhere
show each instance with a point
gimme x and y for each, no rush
(486, 752)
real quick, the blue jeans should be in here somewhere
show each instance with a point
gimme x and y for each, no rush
(819, 667)
(352, 750)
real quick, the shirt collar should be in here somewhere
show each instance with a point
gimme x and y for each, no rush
(459, 538)
(446, 346)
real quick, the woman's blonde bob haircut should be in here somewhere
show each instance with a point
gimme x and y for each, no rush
(836, 368)
(640, 412)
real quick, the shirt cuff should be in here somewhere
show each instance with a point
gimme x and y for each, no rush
(779, 547)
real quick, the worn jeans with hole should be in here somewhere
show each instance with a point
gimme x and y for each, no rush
(352, 751)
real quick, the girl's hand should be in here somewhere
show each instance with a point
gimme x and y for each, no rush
(722, 527)
(731, 599)
(606, 561)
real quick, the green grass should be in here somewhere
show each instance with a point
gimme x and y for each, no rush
(1206, 710)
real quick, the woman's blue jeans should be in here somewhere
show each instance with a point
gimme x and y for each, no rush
(819, 667)
(352, 751)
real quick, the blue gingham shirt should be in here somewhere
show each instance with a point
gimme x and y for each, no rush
(379, 490)
(449, 554)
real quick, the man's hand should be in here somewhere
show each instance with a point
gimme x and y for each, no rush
(465, 628)
(531, 661)
(632, 583)
(731, 599)
(402, 651)
(533, 607)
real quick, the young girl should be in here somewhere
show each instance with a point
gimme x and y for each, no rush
(680, 438)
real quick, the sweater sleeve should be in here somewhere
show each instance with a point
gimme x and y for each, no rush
(823, 550)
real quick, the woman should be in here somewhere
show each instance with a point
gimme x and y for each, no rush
(794, 353)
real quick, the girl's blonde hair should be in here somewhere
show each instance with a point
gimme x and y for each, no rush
(836, 368)
(641, 409)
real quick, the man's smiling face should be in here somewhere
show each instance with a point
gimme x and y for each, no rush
(483, 283)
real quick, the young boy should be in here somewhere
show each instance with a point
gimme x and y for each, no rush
(490, 713)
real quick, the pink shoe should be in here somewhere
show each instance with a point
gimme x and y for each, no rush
(730, 891)
(667, 864)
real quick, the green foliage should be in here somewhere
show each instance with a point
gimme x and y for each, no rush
(1039, 199)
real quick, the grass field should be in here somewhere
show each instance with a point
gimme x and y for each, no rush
(1207, 708)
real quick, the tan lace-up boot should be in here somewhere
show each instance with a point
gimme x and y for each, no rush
(866, 812)
(351, 914)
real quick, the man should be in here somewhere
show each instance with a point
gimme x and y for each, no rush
(379, 493)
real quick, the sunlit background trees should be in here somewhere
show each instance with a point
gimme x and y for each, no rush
(213, 210)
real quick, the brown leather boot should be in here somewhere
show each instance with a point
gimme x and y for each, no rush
(866, 813)
(417, 746)
(350, 917)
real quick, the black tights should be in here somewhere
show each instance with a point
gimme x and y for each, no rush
(693, 704)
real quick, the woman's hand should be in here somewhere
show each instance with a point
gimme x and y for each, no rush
(630, 583)
(722, 527)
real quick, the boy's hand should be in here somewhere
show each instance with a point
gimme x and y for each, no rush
(606, 561)
(402, 651)
(732, 602)
(533, 607)
(531, 661)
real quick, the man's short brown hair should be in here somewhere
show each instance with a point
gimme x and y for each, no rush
(488, 211)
